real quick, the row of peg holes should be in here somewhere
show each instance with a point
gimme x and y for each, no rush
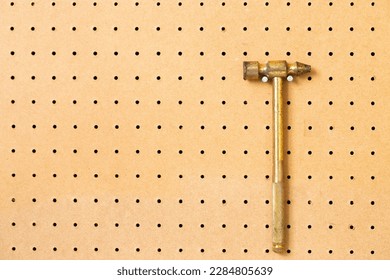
(202, 127)
(180, 102)
(116, 151)
(158, 53)
(201, 28)
(267, 226)
(159, 176)
(180, 250)
(202, 201)
(74, 4)
(158, 78)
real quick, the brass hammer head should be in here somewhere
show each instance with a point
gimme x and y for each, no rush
(253, 70)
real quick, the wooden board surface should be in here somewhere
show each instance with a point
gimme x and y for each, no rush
(127, 131)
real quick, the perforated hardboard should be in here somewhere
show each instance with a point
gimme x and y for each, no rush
(128, 132)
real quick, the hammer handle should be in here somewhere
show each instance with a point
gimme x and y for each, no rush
(277, 186)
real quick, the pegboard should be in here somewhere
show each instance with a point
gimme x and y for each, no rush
(127, 131)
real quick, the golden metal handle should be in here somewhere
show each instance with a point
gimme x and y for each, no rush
(277, 186)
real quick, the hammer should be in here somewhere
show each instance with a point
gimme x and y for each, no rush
(276, 70)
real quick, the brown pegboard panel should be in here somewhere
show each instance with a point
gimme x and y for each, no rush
(127, 131)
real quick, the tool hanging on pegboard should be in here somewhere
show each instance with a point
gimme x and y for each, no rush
(276, 70)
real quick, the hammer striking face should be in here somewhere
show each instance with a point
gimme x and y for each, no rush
(276, 70)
